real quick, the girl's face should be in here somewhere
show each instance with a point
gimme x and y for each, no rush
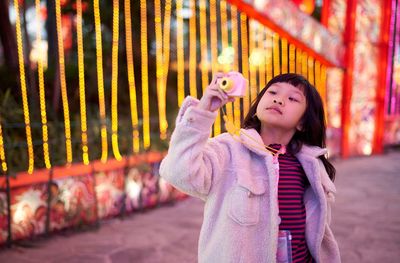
(282, 106)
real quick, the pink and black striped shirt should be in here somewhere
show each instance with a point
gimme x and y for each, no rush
(291, 187)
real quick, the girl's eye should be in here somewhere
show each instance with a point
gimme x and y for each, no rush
(272, 92)
(293, 99)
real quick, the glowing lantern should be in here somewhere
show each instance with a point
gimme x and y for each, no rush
(307, 6)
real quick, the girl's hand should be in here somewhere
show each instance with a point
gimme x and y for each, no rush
(213, 97)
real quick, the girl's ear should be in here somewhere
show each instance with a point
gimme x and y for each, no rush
(299, 126)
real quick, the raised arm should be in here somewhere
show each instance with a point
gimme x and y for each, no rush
(194, 160)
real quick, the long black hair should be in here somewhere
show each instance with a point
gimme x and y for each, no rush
(313, 121)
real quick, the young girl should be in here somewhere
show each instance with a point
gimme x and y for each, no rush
(272, 177)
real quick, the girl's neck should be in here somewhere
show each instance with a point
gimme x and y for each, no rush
(271, 135)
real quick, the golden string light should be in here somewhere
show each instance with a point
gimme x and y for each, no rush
(292, 58)
(42, 96)
(180, 53)
(276, 54)
(310, 65)
(23, 88)
(260, 47)
(253, 67)
(284, 45)
(213, 36)
(317, 68)
(81, 74)
(192, 50)
(269, 54)
(298, 61)
(203, 44)
(224, 35)
(304, 64)
(235, 45)
(114, 81)
(100, 81)
(323, 83)
(322, 89)
(2, 152)
(145, 76)
(245, 58)
(64, 95)
(161, 52)
(131, 77)
(166, 37)
(214, 54)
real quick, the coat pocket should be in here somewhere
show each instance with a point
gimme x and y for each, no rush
(245, 201)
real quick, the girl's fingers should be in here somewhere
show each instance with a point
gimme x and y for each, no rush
(217, 76)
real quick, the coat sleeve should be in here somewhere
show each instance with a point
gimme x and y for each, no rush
(193, 160)
(329, 246)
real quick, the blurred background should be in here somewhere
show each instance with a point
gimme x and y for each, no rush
(89, 91)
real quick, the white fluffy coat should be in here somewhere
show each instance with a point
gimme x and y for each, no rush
(238, 183)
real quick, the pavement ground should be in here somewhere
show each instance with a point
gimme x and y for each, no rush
(366, 223)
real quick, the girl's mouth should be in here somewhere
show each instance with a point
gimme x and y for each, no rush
(276, 109)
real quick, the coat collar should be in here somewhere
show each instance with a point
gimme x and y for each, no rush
(308, 157)
(253, 141)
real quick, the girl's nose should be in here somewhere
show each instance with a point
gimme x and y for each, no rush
(278, 101)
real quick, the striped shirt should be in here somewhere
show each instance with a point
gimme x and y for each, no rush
(291, 186)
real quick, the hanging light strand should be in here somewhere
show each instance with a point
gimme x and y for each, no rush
(225, 44)
(63, 84)
(298, 61)
(114, 81)
(100, 81)
(193, 51)
(310, 65)
(276, 54)
(2, 152)
(284, 45)
(203, 44)
(23, 88)
(131, 77)
(180, 52)
(323, 83)
(253, 67)
(269, 54)
(224, 33)
(235, 45)
(145, 76)
(42, 96)
(81, 74)
(323, 91)
(292, 58)
(214, 54)
(245, 58)
(317, 68)
(304, 64)
(261, 49)
(166, 37)
(214, 36)
(161, 64)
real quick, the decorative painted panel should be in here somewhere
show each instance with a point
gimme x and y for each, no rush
(334, 87)
(110, 192)
(337, 17)
(3, 218)
(366, 55)
(133, 188)
(28, 211)
(73, 202)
